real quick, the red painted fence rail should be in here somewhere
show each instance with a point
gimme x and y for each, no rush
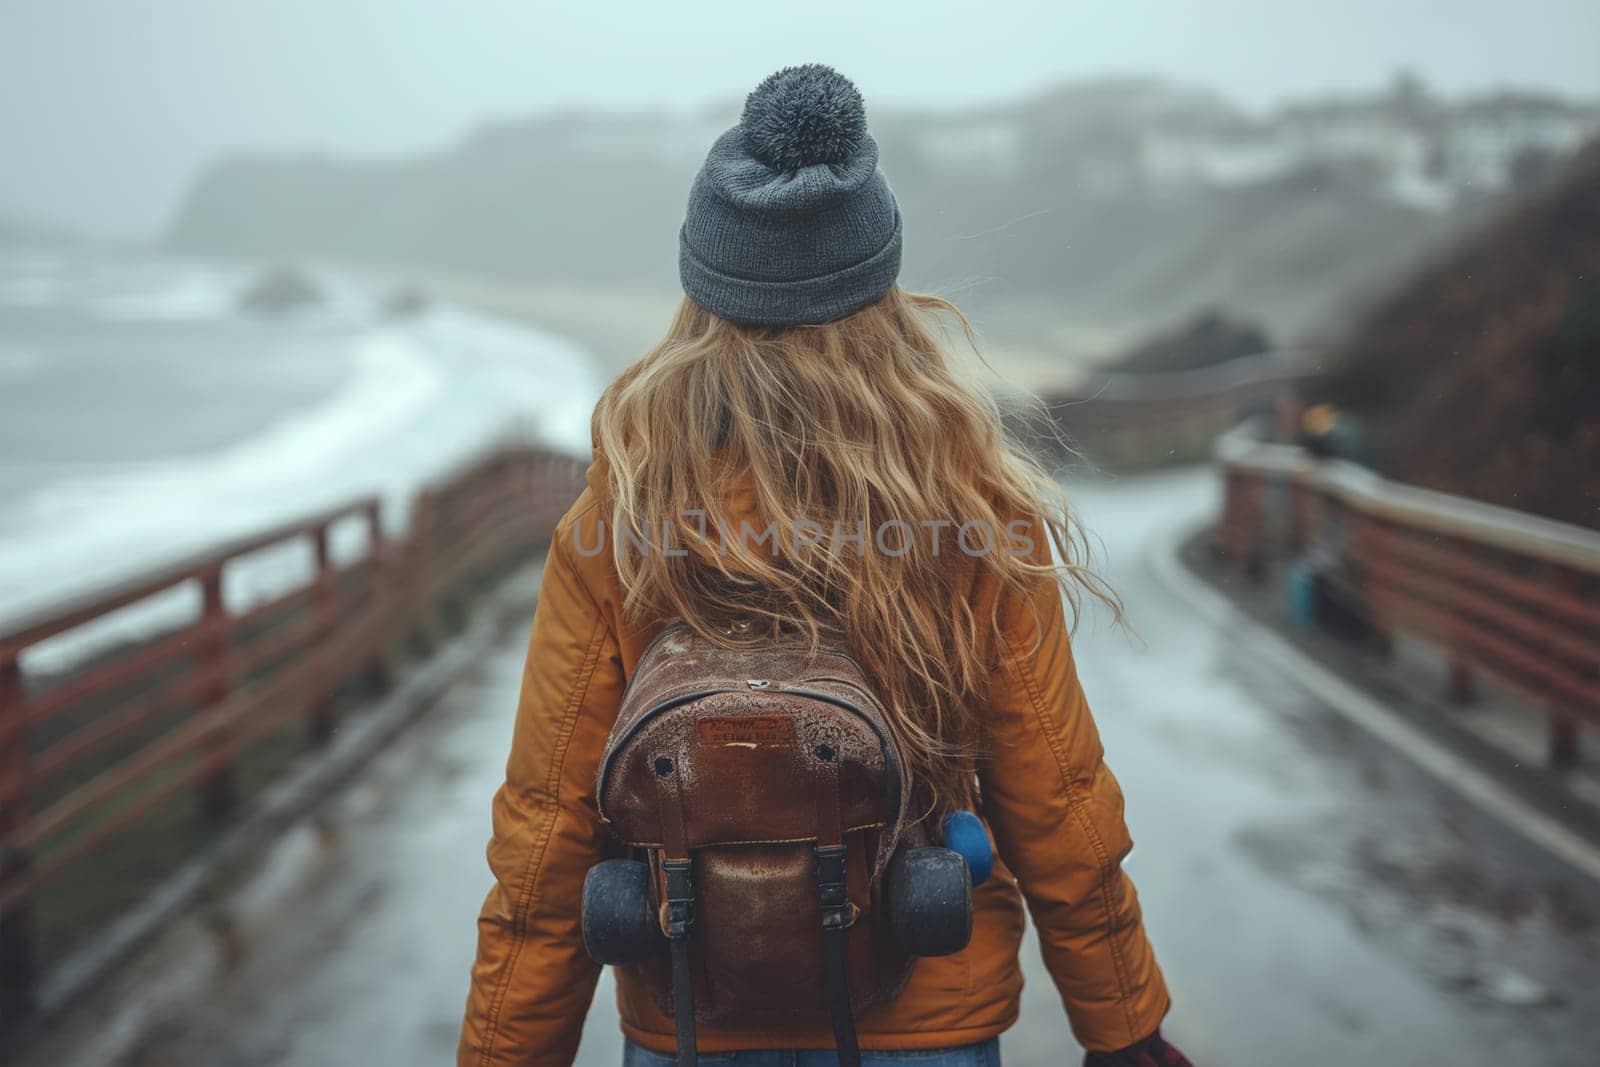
(1504, 594)
(88, 751)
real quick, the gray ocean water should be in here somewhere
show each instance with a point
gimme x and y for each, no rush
(114, 364)
(146, 415)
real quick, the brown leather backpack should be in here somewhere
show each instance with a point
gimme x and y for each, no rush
(762, 798)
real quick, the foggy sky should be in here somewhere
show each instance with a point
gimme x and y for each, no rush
(108, 108)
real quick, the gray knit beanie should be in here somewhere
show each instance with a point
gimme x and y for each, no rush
(790, 221)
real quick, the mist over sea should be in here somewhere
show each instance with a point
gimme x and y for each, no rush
(145, 416)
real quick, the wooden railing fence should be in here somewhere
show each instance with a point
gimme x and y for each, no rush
(1501, 593)
(87, 752)
(1122, 419)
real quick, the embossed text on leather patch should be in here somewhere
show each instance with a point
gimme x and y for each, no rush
(747, 731)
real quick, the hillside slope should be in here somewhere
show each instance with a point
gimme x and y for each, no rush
(1482, 377)
(1110, 207)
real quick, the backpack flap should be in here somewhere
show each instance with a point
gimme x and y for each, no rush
(770, 770)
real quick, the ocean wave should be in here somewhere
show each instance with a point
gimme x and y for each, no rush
(420, 398)
(195, 297)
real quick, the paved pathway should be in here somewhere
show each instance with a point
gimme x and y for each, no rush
(1314, 898)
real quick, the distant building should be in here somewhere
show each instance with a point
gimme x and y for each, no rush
(1421, 150)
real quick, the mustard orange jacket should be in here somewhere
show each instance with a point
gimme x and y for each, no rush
(1053, 807)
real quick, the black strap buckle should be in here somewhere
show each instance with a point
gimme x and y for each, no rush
(680, 897)
(836, 913)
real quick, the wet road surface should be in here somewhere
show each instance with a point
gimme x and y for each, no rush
(1312, 896)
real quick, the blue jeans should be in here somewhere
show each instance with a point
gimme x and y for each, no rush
(984, 1055)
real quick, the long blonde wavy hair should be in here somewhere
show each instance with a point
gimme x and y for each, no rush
(846, 426)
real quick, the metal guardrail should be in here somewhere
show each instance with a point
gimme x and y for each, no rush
(87, 753)
(1508, 595)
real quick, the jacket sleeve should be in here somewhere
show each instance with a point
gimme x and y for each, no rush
(532, 982)
(1056, 814)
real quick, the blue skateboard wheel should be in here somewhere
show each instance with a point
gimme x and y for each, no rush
(964, 834)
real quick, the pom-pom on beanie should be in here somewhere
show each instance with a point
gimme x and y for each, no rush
(790, 221)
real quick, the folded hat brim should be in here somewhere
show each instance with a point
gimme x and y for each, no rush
(800, 302)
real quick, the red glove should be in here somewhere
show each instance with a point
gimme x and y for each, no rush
(1151, 1052)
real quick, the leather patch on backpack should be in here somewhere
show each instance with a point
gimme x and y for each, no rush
(746, 731)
